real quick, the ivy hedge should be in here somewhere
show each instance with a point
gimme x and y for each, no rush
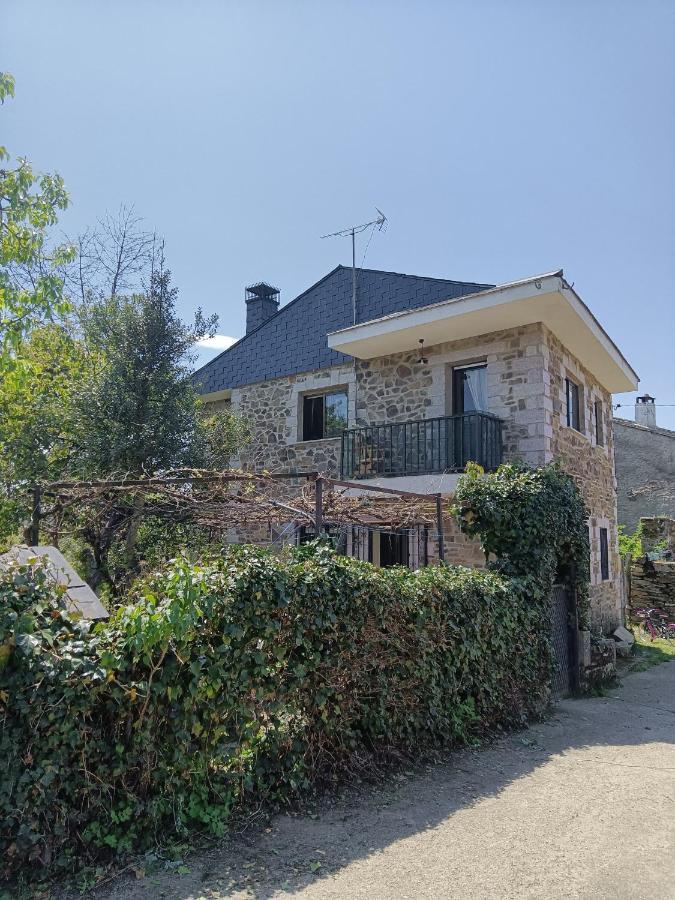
(531, 522)
(243, 680)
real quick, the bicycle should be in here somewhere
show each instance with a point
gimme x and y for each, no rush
(655, 623)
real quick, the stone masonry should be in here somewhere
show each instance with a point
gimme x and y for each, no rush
(526, 371)
(655, 590)
(273, 411)
(658, 530)
(645, 471)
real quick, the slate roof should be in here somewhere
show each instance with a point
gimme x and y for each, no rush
(294, 339)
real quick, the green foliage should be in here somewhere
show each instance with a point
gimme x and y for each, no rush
(630, 543)
(239, 681)
(140, 412)
(30, 204)
(648, 652)
(634, 544)
(533, 522)
(38, 427)
(218, 437)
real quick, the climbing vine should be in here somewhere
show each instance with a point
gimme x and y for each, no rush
(244, 680)
(530, 522)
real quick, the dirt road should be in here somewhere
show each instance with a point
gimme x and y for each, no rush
(581, 806)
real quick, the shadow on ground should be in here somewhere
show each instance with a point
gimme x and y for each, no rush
(550, 791)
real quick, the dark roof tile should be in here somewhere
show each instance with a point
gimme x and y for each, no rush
(294, 339)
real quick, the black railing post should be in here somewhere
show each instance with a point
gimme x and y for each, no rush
(440, 444)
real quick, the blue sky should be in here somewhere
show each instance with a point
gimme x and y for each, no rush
(501, 140)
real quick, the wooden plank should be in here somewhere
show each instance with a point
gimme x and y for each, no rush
(364, 486)
(148, 482)
(78, 597)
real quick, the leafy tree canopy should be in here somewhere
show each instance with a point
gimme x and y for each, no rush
(38, 433)
(29, 205)
(139, 413)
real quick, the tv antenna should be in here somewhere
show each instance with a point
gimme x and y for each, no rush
(378, 223)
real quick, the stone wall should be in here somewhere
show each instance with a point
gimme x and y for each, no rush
(654, 591)
(526, 371)
(460, 550)
(645, 472)
(592, 467)
(398, 387)
(273, 411)
(657, 530)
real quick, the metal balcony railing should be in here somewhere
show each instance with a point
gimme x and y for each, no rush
(428, 446)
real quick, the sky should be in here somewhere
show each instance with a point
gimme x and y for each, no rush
(500, 139)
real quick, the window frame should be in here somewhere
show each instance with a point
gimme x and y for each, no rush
(576, 408)
(457, 384)
(312, 397)
(599, 409)
(603, 542)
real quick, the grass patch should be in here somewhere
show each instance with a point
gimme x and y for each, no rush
(648, 653)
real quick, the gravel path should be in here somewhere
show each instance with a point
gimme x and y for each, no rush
(581, 806)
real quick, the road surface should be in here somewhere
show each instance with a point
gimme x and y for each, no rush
(580, 806)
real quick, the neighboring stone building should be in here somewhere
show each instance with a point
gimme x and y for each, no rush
(423, 376)
(645, 466)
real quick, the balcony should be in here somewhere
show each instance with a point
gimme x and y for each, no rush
(424, 447)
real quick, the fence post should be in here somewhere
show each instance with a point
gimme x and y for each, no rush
(439, 526)
(318, 507)
(34, 530)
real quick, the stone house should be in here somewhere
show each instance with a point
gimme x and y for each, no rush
(406, 379)
(645, 466)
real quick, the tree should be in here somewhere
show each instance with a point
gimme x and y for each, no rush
(29, 204)
(38, 425)
(113, 257)
(139, 413)
(38, 431)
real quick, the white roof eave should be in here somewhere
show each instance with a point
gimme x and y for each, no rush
(546, 298)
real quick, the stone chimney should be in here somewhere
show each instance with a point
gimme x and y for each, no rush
(262, 301)
(645, 411)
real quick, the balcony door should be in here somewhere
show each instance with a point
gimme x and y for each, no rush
(469, 389)
(469, 396)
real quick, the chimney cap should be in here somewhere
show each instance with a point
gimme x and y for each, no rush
(645, 398)
(262, 290)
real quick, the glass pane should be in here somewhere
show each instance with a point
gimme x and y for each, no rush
(604, 555)
(572, 404)
(336, 414)
(474, 389)
(312, 419)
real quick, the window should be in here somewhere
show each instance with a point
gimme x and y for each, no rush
(469, 388)
(324, 415)
(572, 393)
(599, 424)
(394, 550)
(604, 555)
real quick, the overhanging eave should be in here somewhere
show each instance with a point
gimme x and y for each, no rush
(547, 299)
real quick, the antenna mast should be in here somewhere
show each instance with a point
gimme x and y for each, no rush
(352, 232)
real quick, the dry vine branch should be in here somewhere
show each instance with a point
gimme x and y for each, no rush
(222, 500)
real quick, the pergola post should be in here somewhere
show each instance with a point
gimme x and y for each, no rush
(439, 526)
(318, 506)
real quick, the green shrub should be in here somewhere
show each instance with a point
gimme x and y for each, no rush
(241, 681)
(630, 544)
(531, 522)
